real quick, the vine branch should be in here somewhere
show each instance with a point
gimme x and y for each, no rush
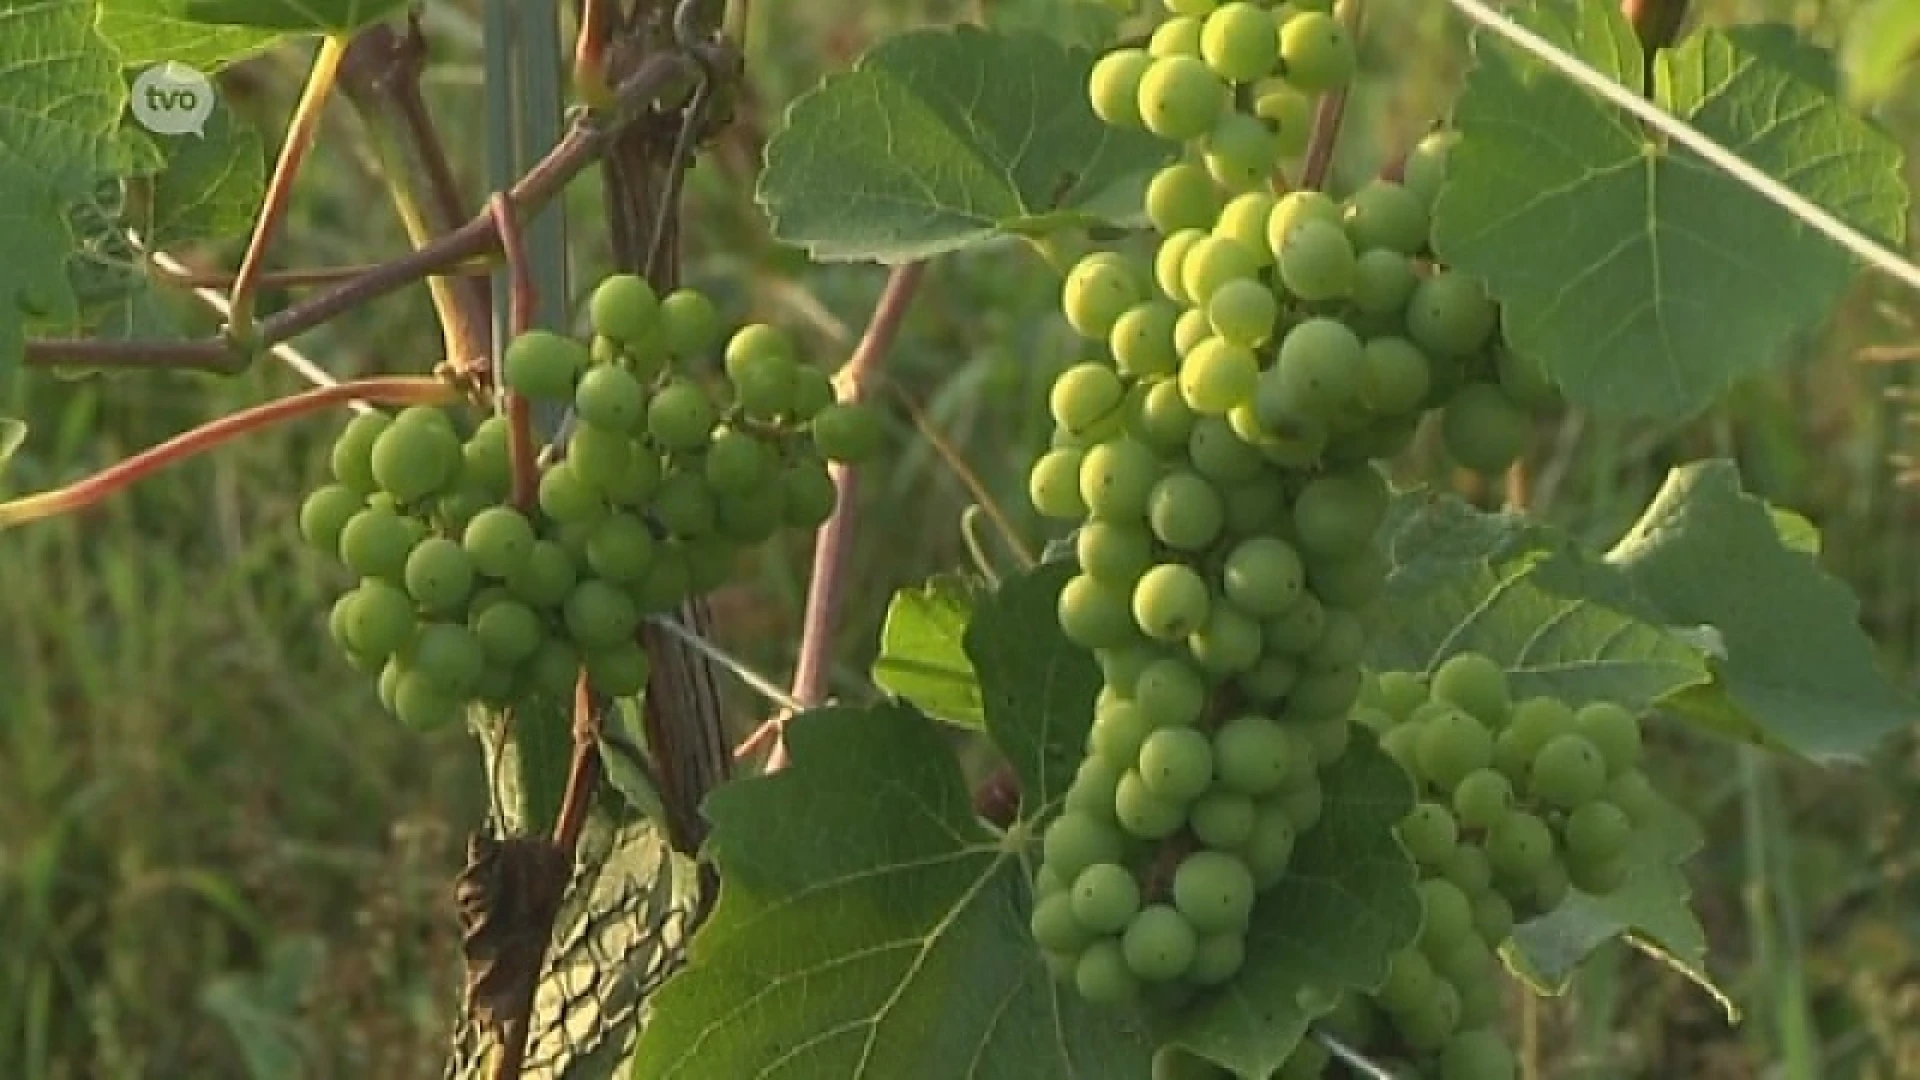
(522, 298)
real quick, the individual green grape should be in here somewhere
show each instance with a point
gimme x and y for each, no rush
(620, 669)
(1228, 644)
(1452, 744)
(499, 539)
(1568, 771)
(598, 614)
(1449, 917)
(1189, 330)
(1240, 153)
(1102, 975)
(1337, 512)
(669, 581)
(684, 506)
(1482, 797)
(1243, 313)
(1214, 891)
(689, 324)
(1115, 552)
(1318, 367)
(1218, 375)
(1054, 925)
(848, 432)
(738, 463)
(760, 363)
(1176, 763)
(1317, 261)
(1342, 644)
(1142, 813)
(1185, 511)
(1614, 730)
(625, 308)
(810, 494)
(1475, 683)
(1596, 832)
(1075, 841)
(1159, 944)
(1095, 784)
(1520, 846)
(411, 461)
(379, 620)
(1171, 692)
(1428, 1026)
(375, 543)
(1263, 575)
(751, 518)
(1053, 484)
(1288, 111)
(1105, 898)
(439, 574)
(1094, 614)
(1426, 165)
(324, 515)
(1531, 724)
(812, 391)
(1383, 282)
(1524, 380)
(1477, 1055)
(1179, 36)
(1384, 215)
(1467, 866)
(544, 577)
(680, 416)
(1142, 339)
(1244, 220)
(610, 397)
(1410, 981)
(1113, 88)
(1238, 42)
(1180, 97)
(1116, 479)
(555, 668)
(620, 548)
(1170, 601)
(508, 631)
(1211, 262)
(1551, 887)
(1429, 833)
(422, 704)
(1325, 692)
(1097, 291)
(1255, 756)
(1400, 692)
(449, 654)
(1450, 314)
(1170, 260)
(1492, 916)
(1217, 958)
(1316, 52)
(599, 457)
(1085, 397)
(543, 365)
(1222, 819)
(1269, 847)
(1396, 375)
(1219, 455)
(1294, 209)
(351, 460)
(1483, 429)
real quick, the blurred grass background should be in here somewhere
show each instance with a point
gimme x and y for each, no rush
(218, 858)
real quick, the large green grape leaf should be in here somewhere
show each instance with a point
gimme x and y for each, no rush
(211, 185)
(143, 33)
(60, 102)
(1645, 280)
(870, 927)
(938, 139)
(1346, 906)
(922, 658)
(1797, 669)
(1037, 687)
(300, 16)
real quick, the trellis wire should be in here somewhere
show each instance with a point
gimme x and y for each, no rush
(755, 681)
(1861, 246)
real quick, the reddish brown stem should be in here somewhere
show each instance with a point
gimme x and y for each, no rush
(523, 295)
(1325, 135)
(833, 547)
(590, 53)
(391, 390)
(294, 279)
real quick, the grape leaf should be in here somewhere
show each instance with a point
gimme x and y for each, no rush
(1347, 905)
(302, 16)
(59, 107)
(938, 139)
(1799, 670)
(870, 927)
(1090, 23)
(143, 34)
(211, 185)
(1881, 43)
(1037, 687)
(921, 656)
(1664, 280)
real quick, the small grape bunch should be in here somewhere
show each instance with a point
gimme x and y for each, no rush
(466, 596)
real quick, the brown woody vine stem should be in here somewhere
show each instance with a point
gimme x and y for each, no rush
(1326, 121)
(394, 390)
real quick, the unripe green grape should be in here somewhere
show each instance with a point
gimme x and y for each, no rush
(1410, 981)
(1244, 219)
(1599, 877)
(1551, 888)
(1094, 785)
(1180, 98)
(1467, 959)
(1221, 456)
(810, 494)
(668, 583)
(1222, 819)
(599, 458)
(1054, 926)
(1240, 153)
(1161, 419)
(618, 670)
(599, 614)
(737, 462)
(1452, 744)
(1319, 365)
(1216, 960)
(1400, 692)
(1170, 261)
(1297, 629)
(1271, 677)
(1426, 165)
(543, 365)
(812, 391)
(1294, 209)
(499, 539)
(1339, 511)
(1185, 511)
(411, 461)
(1182, 196)
(1288, 111)
(1214, 891)
(1122, 667)
(1218, 375)
(1075, 841)
(1159, 944)
(1384, 215)
(1269, 847)
(1342, 644)
(1467, 867)
(439, 574)
(1428, 1026)
(1482, 797)
(620, 547)
(423, 704)
(1176, 763)
(1449, 916)
(1451, 314)
(1614, 730)
(1116, 479)
(555, 669)
(1211, 262)
(375, 543)
(1190, 329)
(1383, 282)
(545, 577)
(449, 654)
(1596, 832)
(1243, 312)
(1178, 36)
(751, 518)
(1238, 42)
(680, 416)
(625, 308)
(508, 631)
(1475, 683)
(1142, 339)
(1254, 756)
(379, 619)
(688, 322)
(1097, 291)
(1171, 692)
(1085, 396)
(1094, 614)
(1316, 261)
(1568, 771)
(1316, 52)
(351, 459)
(1492, 916)
(1113, 88)
(1395, 375)
(1102, 975)
(1429, 833)
(848, 432)
(324, 515)
(1520, 846)
(684, 506)
(1256, 506)
(1323, 692)
(1170, 601)
(1114, 552)
(1053, 484)
(1522, 378)
(1105, 898)
(1142, 813)
(611, 398)
(1228, 644)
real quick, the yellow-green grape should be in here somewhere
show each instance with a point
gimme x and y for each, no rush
(1097, 291)
(325, 513)
(1383, 282)
(625, 308)
(1483, 429)
(1170, 601)
(1218, 375)
(1395, 375)
(1114, 86)
(1177, 37)
(1316, 52)
(1211, 262)
(1171, 259)
(1287, 111)
(688, 322)
(1053, 484)
(1426, 165)
(1238, 42)
(1451, 315)
(415, 457)
(1182, 196)
(1243, 312)
(543, 365)
(680, 416)
(351, 460)
(1179, 98)
(611, 398)
(1142, 339)
(761, 365)
(1386, 215)
(1085, 397)
(1317, 261)
(1240, 153)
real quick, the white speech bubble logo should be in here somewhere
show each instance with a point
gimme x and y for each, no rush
(172, 99)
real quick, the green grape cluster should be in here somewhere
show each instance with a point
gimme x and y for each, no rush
(465, 596)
